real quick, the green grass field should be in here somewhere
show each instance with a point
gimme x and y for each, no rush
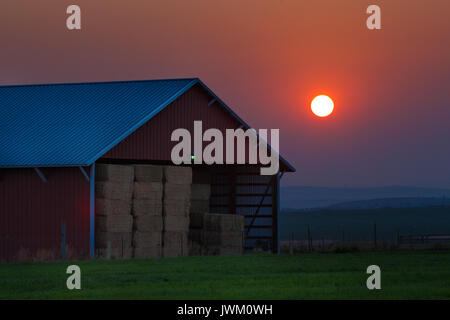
(405, 275)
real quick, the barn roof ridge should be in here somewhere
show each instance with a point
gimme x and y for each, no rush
(93, 82)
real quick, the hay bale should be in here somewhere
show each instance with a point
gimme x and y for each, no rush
(148, 191)
(114, 190)
(196, 235)
(148, 223)
(223, 222)
(147, 252)
(199, 206)
(195, 249)
(174, 238)
(116, 253)
(178, 175)
(179, 192)
(196, 220)
(175, 244)
(114, 173)
(222, 239)
(200, 191)
(176, 223)
(146, 239)
(146, 207)
(116, 223)
(116, 239)
(106, 207)
(176, 208)
(148, 173)
(174, 252)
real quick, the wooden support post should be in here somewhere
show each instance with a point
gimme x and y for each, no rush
(232, 191)
(275, 213)
(92, 212)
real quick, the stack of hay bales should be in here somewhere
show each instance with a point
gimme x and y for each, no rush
(176, 204)
(160, 211)
(223, 234)
(216, 234)
(196, 233)
(113, 223)
(147, 211)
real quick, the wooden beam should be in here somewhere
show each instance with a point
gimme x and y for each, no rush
(211, 102)
(259, 237)
(243, 206)
(40, 174)
(241, 195)
(259, 216)
(84, 173)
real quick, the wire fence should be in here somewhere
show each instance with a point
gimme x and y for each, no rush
(343, 241)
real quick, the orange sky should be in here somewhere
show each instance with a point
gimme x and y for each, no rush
(267, 59)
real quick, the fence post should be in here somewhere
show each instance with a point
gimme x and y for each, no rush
(63, 240)
(309, 240)
(375, 233)
(291, 245)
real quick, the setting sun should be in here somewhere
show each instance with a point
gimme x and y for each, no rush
(322, 106)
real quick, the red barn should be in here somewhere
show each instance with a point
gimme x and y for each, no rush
(53, 135)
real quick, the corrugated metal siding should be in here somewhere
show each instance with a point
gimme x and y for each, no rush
(152, 140)
(32, 212)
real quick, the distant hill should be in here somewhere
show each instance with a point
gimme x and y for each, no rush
(391, 203)
(303, 197)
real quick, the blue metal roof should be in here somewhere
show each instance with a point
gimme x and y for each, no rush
(75, 124)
